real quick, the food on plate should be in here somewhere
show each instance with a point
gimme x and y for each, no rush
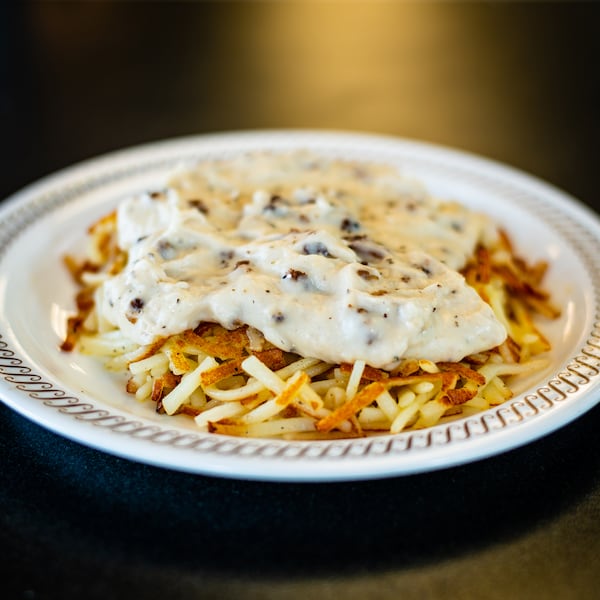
(304, 296)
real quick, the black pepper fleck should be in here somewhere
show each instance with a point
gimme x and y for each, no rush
(316, 248)
(275, 202)
(225, 256)
(366, 253)
(166, 249)
(137, 304)
(294, 275)
(198, 205)
(349, 225)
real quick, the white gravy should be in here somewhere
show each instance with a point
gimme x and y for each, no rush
(334, 260)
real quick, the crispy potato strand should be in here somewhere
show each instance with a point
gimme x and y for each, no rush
(293, 397)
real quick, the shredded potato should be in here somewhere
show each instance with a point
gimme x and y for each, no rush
(236, 383)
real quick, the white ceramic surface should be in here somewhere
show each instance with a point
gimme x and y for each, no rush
(75, 397)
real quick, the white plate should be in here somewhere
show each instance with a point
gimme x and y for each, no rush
(73, 395)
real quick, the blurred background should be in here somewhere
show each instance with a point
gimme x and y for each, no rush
(507, 80)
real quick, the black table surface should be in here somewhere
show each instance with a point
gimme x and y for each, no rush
(516, 82)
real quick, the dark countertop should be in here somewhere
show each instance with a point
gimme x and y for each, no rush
(516, 82)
